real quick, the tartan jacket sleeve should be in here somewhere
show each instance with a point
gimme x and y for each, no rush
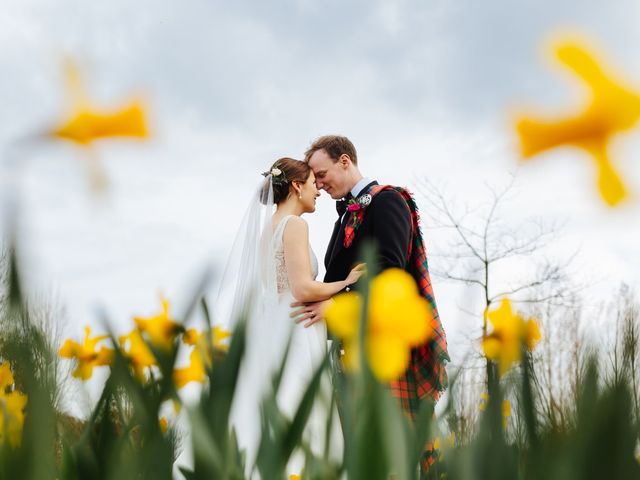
(391, 228)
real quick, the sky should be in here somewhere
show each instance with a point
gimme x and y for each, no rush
(424, 89)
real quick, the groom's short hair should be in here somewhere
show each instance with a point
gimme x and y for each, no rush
(334, 145)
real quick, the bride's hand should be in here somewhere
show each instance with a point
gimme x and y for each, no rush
(356, 273)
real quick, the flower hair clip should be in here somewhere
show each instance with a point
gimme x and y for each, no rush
(277, 176)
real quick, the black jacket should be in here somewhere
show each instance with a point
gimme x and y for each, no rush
(387, 221)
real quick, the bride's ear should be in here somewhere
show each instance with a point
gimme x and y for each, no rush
(296, 188)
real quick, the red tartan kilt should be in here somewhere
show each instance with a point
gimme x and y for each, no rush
(405, 389)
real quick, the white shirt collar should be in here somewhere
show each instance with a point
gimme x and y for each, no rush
(358, 187)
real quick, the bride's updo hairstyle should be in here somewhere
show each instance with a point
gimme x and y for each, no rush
(283, 172)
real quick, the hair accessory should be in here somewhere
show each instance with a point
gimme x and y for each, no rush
(277, 176)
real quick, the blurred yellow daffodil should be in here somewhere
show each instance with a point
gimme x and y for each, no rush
(160, 328)
(86, 124)
(612, 108)
(510, 333)
(86, 354)
(450, 441)
(201, 356)
(484, 399)
(12, 404)
(506, 413)
(218, 335)
(164, 424)
(506, 408)
(135, 348)
(399, 318)
(194, 372)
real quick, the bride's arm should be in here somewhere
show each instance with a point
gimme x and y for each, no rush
(298, 263)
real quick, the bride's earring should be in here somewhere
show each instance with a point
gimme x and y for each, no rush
(300, 196)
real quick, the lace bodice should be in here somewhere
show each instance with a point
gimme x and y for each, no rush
(282, 279)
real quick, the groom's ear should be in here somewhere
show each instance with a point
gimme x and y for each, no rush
(344, 160)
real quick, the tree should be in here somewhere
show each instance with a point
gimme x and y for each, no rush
(482, 249)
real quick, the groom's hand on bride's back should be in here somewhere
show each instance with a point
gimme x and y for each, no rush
(310, 313)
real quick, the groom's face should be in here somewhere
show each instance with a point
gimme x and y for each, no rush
(331, 176)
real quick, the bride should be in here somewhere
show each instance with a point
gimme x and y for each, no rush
(277, 262)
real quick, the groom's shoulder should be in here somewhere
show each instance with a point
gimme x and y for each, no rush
(390, 202)
(388, 196)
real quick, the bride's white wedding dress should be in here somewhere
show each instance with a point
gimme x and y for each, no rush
(267, 333)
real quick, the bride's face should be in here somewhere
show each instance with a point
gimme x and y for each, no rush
(309, 193)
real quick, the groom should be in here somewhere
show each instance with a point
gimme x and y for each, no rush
(390, 220)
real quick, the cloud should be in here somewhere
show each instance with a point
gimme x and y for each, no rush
(422, 88)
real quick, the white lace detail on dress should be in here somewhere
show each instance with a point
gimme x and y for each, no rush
(282, 279)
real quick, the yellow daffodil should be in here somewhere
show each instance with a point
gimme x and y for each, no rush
(510, 332)
(86, 124)
(399, 318)
(160, 328)
(294, 477)
(218, 335)
(506, 408)
(164, 424)
(86, 354)
(484, 399)
(450, 441)
(612, 108)
(135, 348)
(200, 356)
(506, 413)
(194, 372)
(12, 404)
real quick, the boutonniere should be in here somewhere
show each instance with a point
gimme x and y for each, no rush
(357, 207)
(360, 203)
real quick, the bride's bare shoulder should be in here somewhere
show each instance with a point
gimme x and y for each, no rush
(295, 227)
